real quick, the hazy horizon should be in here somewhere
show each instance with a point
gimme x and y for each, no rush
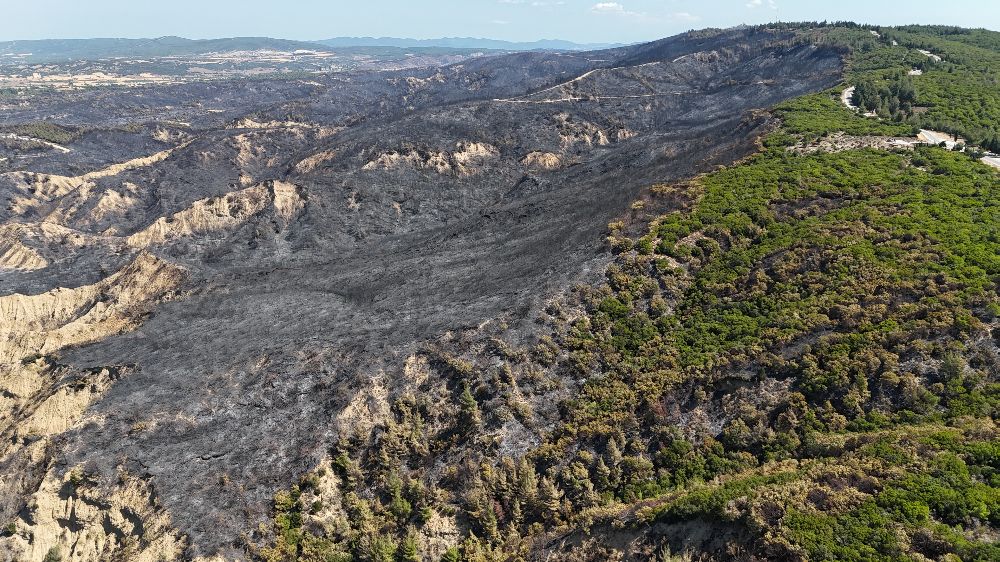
(318, 39)
(579, 21)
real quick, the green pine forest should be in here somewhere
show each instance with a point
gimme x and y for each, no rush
(793, 358)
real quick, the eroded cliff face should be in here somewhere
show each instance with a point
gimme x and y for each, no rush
(185, 332)
(66, 510)
(52, 506)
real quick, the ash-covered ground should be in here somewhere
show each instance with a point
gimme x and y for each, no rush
(247, 255)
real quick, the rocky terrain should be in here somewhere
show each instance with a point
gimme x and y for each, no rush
(207, 285)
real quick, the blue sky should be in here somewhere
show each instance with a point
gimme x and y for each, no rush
(519, 20)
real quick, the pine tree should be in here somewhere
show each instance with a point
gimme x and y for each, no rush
(377, 547)
(549, 499)
(506, 479)
(451, 555)
(516, 515)
(866, 96)
(527, 483)
(398, 505)
(602, 475)
(469, 413)
(479, 507)
(408, 551)
(614, 464)
(473, 550)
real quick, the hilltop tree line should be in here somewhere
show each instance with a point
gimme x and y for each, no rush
(894, 100)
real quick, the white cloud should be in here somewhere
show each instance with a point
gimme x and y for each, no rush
(608, 7)
(614, 8)
(500, 22)
(758, 3)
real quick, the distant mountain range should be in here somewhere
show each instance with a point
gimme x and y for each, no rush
(57, 50)
(66, 49)
(466, 43)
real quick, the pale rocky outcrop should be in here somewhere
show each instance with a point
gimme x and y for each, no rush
(15, 255)
(436, 161)
(222, 214)
(33, 191)
(170, 136)
(574, 132)
(85, 523)
(310, 163)
(34, 246)
(41, 400)
(440, 533)
(368, 408)
(471, 155)
(142, 162)
(251, 123)
(538, 160)
(287, 200)
(468, 158)
(203, 217)
(839, 142)
(623, 134)
(418, 83)
(52, 185)
(46, 322)
(37, 191)
(89, 205)
(247, 151)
